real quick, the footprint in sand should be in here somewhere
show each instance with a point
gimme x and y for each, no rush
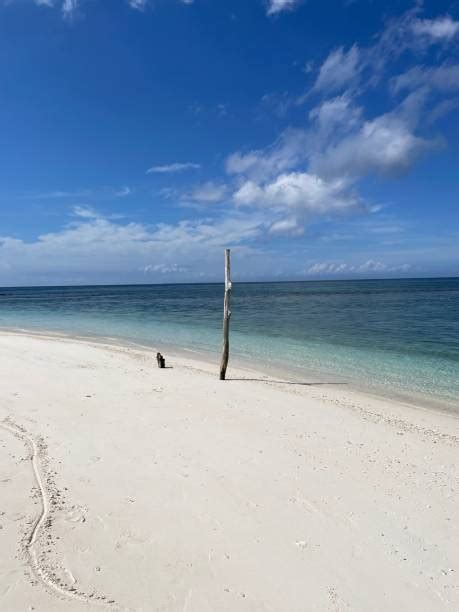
(77, 514)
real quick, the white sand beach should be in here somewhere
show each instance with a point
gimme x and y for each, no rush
(126, 487)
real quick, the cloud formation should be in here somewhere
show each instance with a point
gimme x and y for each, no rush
(362, 66)
(69, 7)
(207, 193)
(442, 28)
(368, 267)
(139, 5)
(277, 6)
(386, 145)
(285, 153)
(314, 171)
(112, 249)
(296, 197)
(339, 71)
(444, 78)
(173, 168)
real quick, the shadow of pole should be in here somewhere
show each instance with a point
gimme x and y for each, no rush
(284, 382)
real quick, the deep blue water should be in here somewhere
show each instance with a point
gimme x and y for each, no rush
(400, 335)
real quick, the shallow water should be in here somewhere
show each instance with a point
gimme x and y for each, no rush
(401, 336)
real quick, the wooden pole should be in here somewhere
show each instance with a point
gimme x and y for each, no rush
(226, 314)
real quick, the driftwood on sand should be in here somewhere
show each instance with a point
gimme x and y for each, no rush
(226, 315)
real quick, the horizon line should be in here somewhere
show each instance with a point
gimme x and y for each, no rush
(261, 282)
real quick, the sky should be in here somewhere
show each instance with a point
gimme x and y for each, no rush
(316, 139)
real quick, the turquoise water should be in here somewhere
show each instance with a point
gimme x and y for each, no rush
(398, 336)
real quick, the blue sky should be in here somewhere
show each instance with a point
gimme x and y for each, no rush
(140, 138)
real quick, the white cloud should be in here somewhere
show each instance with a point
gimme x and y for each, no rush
(313, 172)
(62, 194)
(386, 145)
(164, 268)
(328, 121)
(368, 267)
(207, 193)
(296, 197)
(85, 212)
(96, 248)
(348, 69)
(173, 168)
(104, 192)
(441, 28)
(286, 153)
(339, 71)
(443, 108)
(279, 103)
(409, 32)
(443, 78)
(69, 8)
(335, 115)
(327, 268)
(138, 5)
(123, 192)
(277, 6)
(295, 190)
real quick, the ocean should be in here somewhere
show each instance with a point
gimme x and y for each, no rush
(395, 337)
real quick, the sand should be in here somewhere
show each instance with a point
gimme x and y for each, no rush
(126, 487)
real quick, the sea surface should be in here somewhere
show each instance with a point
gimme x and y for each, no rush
(396, 337)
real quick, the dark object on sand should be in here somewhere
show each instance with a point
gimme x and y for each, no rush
(161, 360)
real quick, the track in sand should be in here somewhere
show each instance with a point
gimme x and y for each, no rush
(37, 454)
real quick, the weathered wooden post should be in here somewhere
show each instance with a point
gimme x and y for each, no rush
(226, 314)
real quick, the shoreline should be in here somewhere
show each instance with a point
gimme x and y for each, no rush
(260, 368)
(171, 490)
